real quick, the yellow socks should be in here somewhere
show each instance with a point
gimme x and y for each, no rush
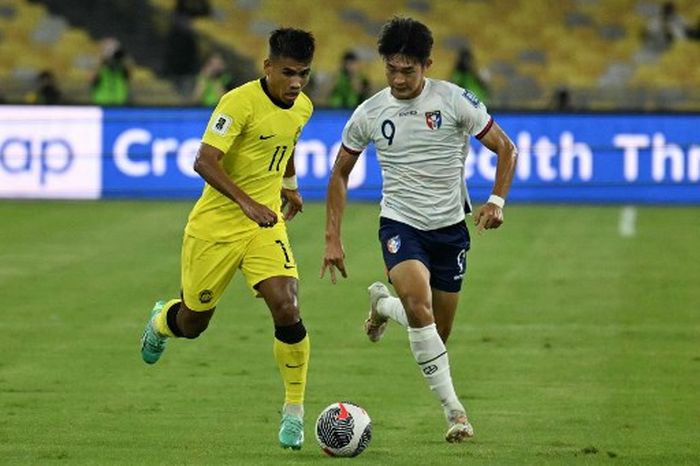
(161, 320)
(293, 363)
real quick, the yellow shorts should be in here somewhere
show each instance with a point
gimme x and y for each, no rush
(208, 266)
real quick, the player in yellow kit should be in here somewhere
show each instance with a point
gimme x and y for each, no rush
(246, 159)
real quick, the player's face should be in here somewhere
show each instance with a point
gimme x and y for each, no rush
(286, 77)
(405, 75)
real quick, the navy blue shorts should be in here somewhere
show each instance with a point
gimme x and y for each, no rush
(443, 251)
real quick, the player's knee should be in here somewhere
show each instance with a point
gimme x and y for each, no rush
(286, 312)
(418, 308)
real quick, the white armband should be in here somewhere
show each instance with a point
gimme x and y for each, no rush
(290, 182)
(497, 200)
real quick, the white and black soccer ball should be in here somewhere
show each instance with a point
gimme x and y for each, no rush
(343, 429)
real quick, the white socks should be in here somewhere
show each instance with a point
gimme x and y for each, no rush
(392, 308)
(431, 355)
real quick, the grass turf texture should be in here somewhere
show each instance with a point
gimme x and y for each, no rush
(572, 345)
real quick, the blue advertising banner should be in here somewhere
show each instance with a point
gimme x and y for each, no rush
(89, 152)
(588, 158)
(597, 158)
(149, 153)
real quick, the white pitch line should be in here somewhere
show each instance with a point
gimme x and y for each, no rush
(627, 227)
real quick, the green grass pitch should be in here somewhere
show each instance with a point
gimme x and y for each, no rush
(572, 345)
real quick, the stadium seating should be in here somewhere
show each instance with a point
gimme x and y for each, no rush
(529, 49)
(32, 40)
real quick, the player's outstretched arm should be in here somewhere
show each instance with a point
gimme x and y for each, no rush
(208, 165)
(336, 198)
(490, 215)
(292, 202)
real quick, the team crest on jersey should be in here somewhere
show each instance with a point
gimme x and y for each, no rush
(471, 97)
(433, 119)
(393, 244)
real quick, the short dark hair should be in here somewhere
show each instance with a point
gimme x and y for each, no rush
(405, 36)
(292, 43)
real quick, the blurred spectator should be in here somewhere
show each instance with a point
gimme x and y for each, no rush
(193, 8)
(694, 32)
(181, 60)
(665, 28)
(110, 84)
(46, 91)
(351, 87)
(467, 75)
(212, 82)
(561, 100)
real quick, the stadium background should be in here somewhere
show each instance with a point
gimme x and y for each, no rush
(578, 328)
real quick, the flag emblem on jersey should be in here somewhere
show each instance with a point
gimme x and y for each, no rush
(393, 244)
(433, 119)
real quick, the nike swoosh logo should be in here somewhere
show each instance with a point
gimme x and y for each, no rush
(294, 367)
(289, 266)
(262, 138)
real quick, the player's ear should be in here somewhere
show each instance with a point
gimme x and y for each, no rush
(267, 65)
(428, 62)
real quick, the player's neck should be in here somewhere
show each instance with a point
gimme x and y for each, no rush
(415, 95)
(275, 100)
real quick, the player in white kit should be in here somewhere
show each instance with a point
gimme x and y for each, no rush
(420, 128)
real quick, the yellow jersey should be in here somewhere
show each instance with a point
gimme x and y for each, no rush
(257, 135)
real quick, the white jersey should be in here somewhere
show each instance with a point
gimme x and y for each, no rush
(422, 145)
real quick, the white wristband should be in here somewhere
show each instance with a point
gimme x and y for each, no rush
(496, 200)
(290, 182)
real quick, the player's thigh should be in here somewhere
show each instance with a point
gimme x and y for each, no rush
(207, 269)
(411, 282)
(268, 255)
(407, 263)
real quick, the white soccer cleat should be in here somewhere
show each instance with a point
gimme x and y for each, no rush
(375, 325)
(460, 429)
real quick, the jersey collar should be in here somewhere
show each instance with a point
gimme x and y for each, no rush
(275, 101)
(424, 91)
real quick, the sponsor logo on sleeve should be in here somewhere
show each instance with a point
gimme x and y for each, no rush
(221, 124)
(471, 97)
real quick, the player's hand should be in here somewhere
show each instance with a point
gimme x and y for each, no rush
(334, 259)
(292, 203)
(259, 213)
(488, 217)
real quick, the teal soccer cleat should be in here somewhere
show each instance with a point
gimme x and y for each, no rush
(152, 343)
(291, 432)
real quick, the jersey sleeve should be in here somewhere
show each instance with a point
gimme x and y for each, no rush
(472, 113)
(356, 136)
(227, 121)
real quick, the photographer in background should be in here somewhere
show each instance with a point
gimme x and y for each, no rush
(212, 82)
(110, 84)
(46, 90)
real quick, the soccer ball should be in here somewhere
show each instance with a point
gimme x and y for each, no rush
(343, 429)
